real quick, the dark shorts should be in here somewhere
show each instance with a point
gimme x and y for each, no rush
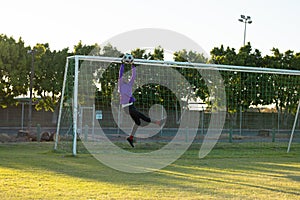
(136, 115)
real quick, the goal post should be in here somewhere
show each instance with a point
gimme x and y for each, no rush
(61, 105)
(294, 127)
(94, 79)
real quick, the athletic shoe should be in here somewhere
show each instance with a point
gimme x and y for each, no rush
(130, 142)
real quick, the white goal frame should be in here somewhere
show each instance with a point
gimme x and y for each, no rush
(78, 58)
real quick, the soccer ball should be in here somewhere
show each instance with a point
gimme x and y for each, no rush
(128, 58)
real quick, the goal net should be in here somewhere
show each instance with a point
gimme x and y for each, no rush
(203, 102)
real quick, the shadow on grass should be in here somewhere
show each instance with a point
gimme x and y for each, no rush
(228, 165)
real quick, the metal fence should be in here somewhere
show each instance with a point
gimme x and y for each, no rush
(246, 122)
(16, 117)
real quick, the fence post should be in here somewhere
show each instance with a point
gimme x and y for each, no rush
(273, 135)
(38, 132)
(86, 130)
(187, 134)
(230, 135)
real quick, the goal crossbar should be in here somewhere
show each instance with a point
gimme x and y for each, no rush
(191, 65)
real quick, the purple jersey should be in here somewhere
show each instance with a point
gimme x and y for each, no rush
(125, 89)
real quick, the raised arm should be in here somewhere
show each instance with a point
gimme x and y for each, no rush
(133, 74)
(121, 72)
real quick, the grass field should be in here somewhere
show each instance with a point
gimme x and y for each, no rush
(230, 171)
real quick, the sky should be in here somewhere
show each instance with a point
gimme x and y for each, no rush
(210, 23)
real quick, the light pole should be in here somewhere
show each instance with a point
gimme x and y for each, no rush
(246, 20)
(32, 52)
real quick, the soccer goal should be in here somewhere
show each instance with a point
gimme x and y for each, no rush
(203, 101)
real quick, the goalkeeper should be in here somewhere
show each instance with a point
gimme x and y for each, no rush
(127, 100)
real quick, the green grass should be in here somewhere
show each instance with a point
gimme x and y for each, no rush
(230, 171)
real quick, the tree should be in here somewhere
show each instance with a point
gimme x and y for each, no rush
(14, 67)
(158, 54)
(191, 56)
(139, 53)
(239, 86)
(49, 75)
(221, 56)
(195, 79)
(80, 49)
(151, 93)
(286, 96)
(110, 51)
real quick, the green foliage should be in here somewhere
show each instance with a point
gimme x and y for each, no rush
(268, 88)
(191, 56)
(191, 75)
(156, 94)
(139, 53)
(111, 51)
(15, 67)
(81, 49)
(49, 76)
(158, 54)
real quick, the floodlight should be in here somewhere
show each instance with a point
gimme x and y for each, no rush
(246, 20)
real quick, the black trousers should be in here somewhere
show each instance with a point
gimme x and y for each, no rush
(136, 115)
